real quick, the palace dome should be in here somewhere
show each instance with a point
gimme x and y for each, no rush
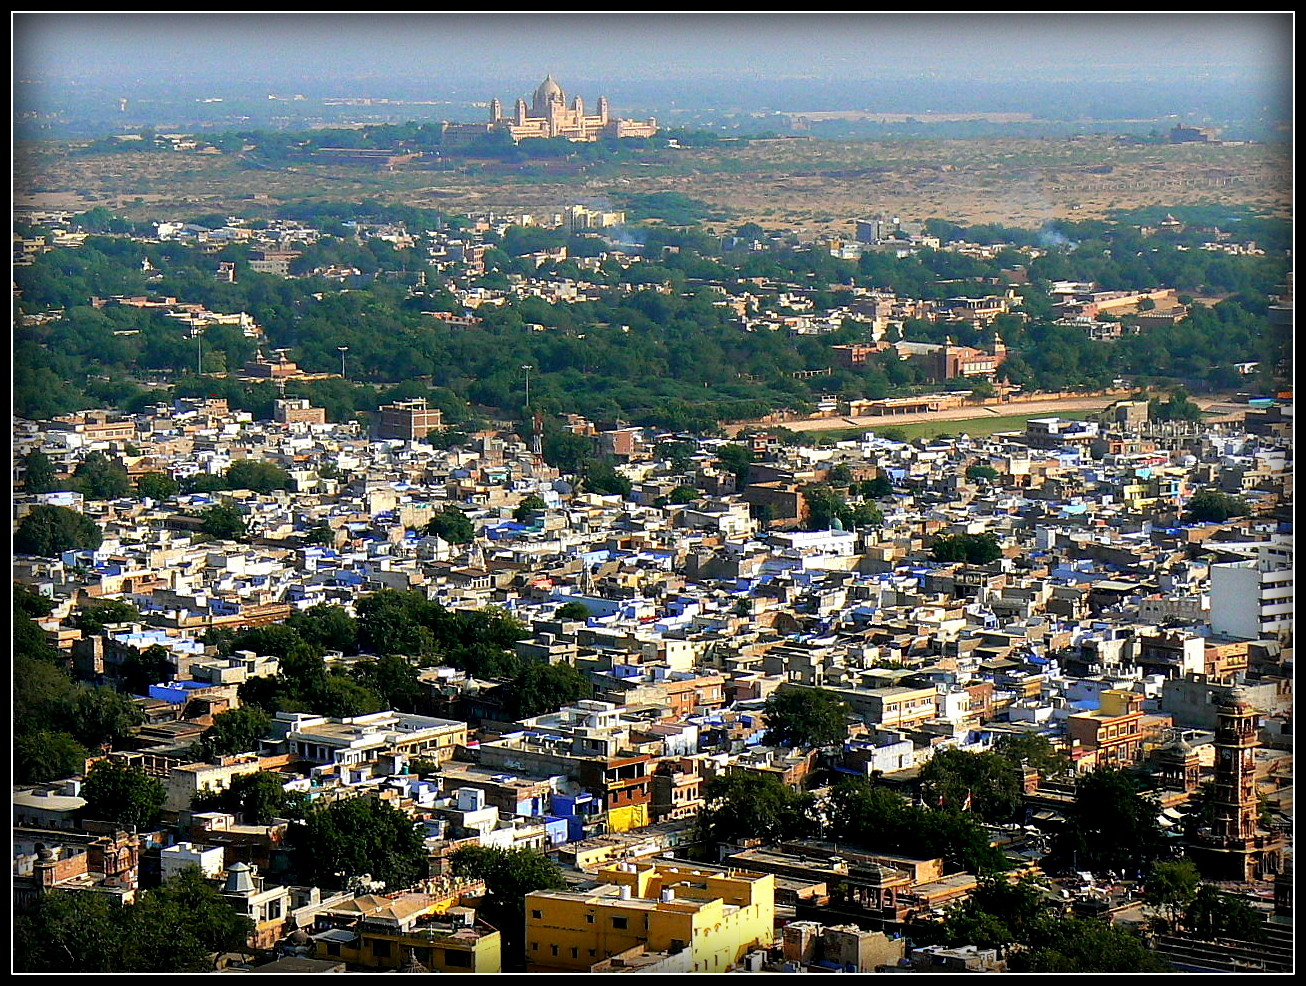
(548, 89)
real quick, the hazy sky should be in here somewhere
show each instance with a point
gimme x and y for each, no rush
(628, 47)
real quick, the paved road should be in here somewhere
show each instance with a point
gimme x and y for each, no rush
(1038, 407)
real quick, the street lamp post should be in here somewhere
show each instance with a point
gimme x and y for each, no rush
(343, 350)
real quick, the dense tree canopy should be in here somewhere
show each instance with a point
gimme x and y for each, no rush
(49, 531)
(1211, 506)
(452, 525)
(234, 731)
(345, 839)
(224, 521)
(747, 805)
(986, 783)
(805, 717)
(673, 360)
(973, 549)
(542, 688)
(509, 875)
(119, 792)
(1112, 825)
(174, 928)
(874, 817)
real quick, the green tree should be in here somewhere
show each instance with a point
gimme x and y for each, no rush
(47, 756)
(353, 837)
(92, 618)
(39, 474)
(574, 611)
(224, 521)
(603, 478)
(261, 477)
(1213, 914)
(1085, 945)
(28, 602)
(530, 503)
(736, 459)
(123, 793)
(157, 486)
(1171, 886)
(509, 875)
(394, 622)
(973, 549)
(234, 731)
(95, 716)
(805, 717)
(326, 627)
(180, 925)
(174, 928)
(393, 679)
(824, 505)
(1210, 506)
(1112, 825)
(978, 471)
(49, 531)
(953, 778)
(451, 525)
(143, 668)
(998, 914)
(98, 477)
(1032, 750)
(840, 475)
(876, 488)
(684, 494)
(541, 688)
(69, 933)
(878, 819)
(743, 804)
(257, 797)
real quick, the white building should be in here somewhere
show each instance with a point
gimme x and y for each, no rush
(176, 858)
(1252, 600)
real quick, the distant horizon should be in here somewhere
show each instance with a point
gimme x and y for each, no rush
(83, 76)
(279, 47)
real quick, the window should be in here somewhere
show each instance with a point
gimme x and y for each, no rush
(620, 923)
(553, 949)
(535, 946)
(537, 915)
(589, 918)
(333, 948)
(575, 952)
(456, 959)
(381, 949)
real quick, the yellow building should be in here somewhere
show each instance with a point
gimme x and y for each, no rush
(718, 915)
(390, 932)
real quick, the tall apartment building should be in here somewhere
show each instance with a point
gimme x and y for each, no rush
(1252, 600)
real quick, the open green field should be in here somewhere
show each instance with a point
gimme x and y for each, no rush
(974, 427)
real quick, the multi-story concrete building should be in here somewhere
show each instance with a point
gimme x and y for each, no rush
(718, 916)
(1252, 599)
(410, 420)
(360, 738)
(1110, 736)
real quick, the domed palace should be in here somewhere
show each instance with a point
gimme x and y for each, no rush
(549, 116)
